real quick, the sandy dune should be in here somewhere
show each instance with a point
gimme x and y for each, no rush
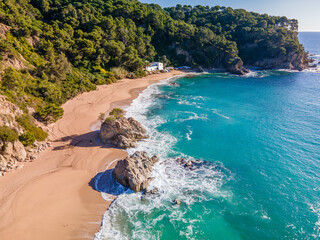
(50, 198)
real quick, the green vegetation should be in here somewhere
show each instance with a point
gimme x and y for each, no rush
(249, 35)
(66, 47)
(27, 139)
(50, 112)
(101, 117)
(110, 119)
(28, 124)
(117, 113)
(7, 134)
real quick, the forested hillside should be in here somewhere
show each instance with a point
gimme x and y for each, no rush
(52, 50)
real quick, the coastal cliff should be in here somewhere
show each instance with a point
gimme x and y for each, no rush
(291, 61)
(18, 137)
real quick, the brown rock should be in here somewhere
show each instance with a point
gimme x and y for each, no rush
(236, 67)
(19, 152)
(292, 60)
(134, 171)
(122, 132)
(3, 163)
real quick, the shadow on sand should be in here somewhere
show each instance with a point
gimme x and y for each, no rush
(105, 182)
(90, 139)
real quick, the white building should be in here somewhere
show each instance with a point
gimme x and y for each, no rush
(154, 66)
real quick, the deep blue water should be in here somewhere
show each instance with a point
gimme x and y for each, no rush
(258, 141)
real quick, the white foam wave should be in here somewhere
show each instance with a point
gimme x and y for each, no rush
(133, 216)
(188, 134)
(313, 70)
(315, 208)
(189, 116)
(215, 111)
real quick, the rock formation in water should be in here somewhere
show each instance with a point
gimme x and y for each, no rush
(236, 67)
(134, 171)
(122, 132)
(292, 61)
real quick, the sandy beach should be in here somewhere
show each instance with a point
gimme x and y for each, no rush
(50, 198)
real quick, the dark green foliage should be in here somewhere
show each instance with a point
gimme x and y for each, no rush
(27, 139)
(69, 47)
(12, 80)
(7, 134)
(50, 112)
(27, 123)
(117, 113)
(110, 119)
(250, 35)
(140, 73)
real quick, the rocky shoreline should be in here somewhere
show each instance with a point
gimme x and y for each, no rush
(13, 154)
(134, 171)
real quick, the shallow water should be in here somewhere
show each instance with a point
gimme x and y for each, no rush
(257, 142)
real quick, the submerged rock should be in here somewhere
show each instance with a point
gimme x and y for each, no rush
(152, 191)
(134, 171)
(122, 132)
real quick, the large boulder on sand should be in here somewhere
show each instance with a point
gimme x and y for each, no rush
(11, 153)
(134, 171)
(122, 132)
(19, 152)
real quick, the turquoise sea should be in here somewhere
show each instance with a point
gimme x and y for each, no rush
(257, 142)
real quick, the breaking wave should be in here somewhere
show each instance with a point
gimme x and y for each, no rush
(138, 216)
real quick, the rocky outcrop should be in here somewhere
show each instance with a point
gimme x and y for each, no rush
(235, 66)
(12, 152)
(9, 60)
(8, 113)
(3, 30)
(292, 61)
(134, 171)
(122, 132)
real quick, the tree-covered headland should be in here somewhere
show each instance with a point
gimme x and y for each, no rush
(52, 50)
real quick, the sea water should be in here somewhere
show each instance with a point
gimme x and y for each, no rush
(256, 144)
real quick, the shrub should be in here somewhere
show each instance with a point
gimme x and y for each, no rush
(50, 112)
(27, 139)
(140, 73)
(12, 80)
(110, 119)
(99, 80)
(117, 113)
(49, 92)
(7, 134)
(102, 117)
(119, 72)
(26, 122)
(110, 77)
(131, 75)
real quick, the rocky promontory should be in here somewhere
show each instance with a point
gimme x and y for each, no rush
(134, 171)
(291, 61)
(121, 131)
(235, 66)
